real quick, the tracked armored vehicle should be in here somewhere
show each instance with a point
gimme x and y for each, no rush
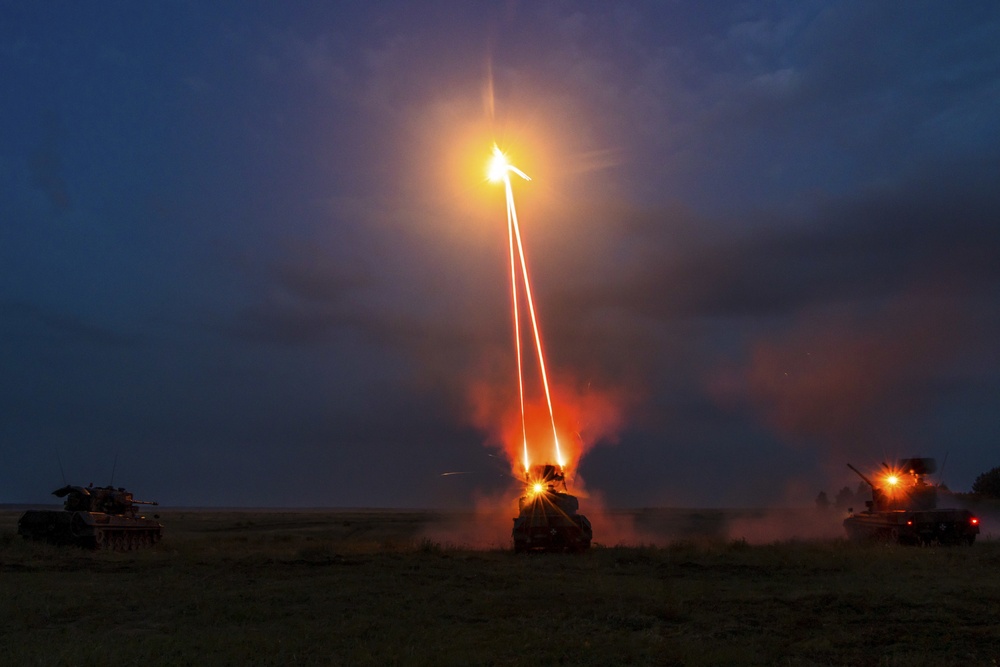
(548, 519)
(93, 517)
(904, 509)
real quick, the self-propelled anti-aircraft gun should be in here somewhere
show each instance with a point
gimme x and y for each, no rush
(102, 517)
(904, 509)
(548, 519)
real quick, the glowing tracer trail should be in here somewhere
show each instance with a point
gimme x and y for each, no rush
(500, 169)
(517, 334)
(534, 321)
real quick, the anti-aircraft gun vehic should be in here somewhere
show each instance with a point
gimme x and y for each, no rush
(102, 517)
(903, 509)
(547, 519)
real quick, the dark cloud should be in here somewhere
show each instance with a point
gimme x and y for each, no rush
(876, 244)
(46, 173)
(286, 206)
(315, 277)
(821, 97)
(27, 321)
(46, 165)
(302, 296)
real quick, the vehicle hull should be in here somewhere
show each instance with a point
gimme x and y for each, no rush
(549, 522)
(93, 530)
(939, 526)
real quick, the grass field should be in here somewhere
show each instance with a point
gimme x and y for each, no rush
(370, 588)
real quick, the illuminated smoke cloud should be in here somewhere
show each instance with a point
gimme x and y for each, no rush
(584, 418)
(848, 380)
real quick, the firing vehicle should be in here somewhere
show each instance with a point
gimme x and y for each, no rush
(548, 519)
(100, 517)
(904, 509)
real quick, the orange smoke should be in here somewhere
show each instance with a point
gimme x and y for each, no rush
(844, 377)
(583, 418)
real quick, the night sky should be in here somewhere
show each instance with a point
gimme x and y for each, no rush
(248, 251)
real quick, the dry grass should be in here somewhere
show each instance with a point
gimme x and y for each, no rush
(363, 588)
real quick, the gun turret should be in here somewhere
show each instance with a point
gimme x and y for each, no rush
(546, 474)
(103, 499)
(902, 486)
(904, 508)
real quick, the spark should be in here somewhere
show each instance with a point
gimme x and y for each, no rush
(500, 169)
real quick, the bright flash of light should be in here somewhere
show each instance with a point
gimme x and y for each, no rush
(538, 487)
(500, 169)
(892, 480)
(498, 166)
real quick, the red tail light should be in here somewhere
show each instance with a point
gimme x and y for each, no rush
(974, 521)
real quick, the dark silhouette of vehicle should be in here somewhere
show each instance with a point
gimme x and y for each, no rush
(100, 517)
(548, 520)
(904, 509)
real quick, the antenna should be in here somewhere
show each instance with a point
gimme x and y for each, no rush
(61, 471)
(113, 468)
